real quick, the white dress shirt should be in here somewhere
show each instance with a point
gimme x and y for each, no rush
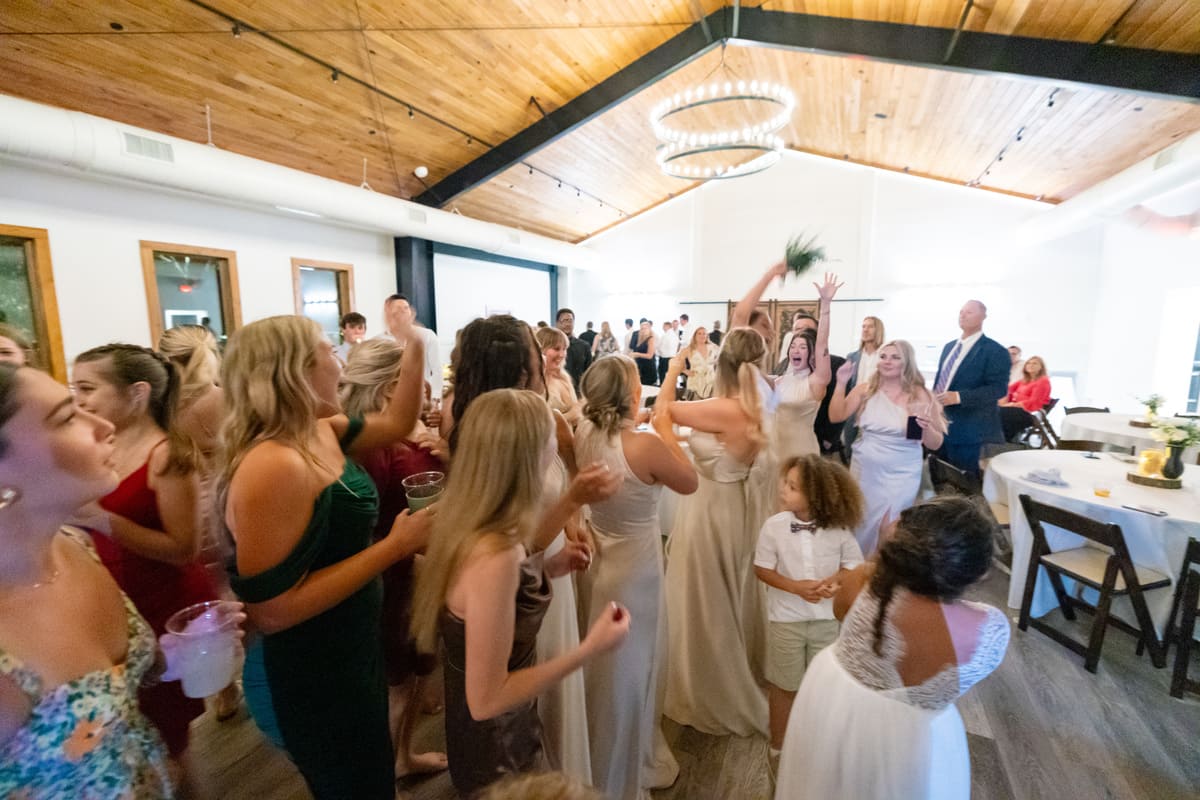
(802, 556)
(667, 345)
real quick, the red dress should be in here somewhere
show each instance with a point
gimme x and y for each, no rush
(158, 590)
(388, 466)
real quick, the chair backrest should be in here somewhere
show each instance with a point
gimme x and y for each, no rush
(1045, 429)
(1046, 409)
(945, 475)
(1101, 533)
(1088, 446)
(1085, 410)
(1191, 559)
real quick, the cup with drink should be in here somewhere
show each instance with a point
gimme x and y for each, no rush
(423, 489)
(202, 646)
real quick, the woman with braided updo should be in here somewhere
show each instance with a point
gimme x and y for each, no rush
(152, 540)
(625, 686)
(875, 715)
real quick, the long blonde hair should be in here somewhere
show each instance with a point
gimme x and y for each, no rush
(912, 382)
(608, 391)
(370, 371)
(193, 351)
(267, 391)
(878, 339)
(493, 492)
(737, 375)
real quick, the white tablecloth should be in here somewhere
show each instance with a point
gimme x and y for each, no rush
(1115, 429)
(1154, 542)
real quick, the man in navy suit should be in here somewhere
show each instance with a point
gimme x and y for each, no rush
(972, 375)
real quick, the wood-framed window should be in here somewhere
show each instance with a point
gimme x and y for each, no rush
(27, 297)
(324, 291)
(187, 285)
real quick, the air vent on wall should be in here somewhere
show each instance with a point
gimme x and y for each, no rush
(417, 215)
(148, 148)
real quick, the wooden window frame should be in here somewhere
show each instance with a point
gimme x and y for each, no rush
(345, 283)
(45, 300)
(231, 300)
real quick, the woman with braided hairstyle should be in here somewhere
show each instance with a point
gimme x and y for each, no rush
(875, 716)
(152, 540)
(625, 686)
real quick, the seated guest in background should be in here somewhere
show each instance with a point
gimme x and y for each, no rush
(367, 385)
(972, 375)
(665, 348)
(714, 335)
(485, 591)
(605, 344)
(579, 353)
(865, 358)
(72, 647)
(1018, 364)
(15, 348)
(588, 336)
(560, 389)
(875, 716)
(354, 329)
(1024, 397)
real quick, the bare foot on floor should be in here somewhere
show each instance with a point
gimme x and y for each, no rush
(420, 764)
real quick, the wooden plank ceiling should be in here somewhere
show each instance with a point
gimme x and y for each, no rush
(467, 71)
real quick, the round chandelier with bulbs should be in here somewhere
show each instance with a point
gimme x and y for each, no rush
(703, 150)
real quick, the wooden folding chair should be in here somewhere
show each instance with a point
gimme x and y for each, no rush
(1044, 431)
(1190, 597)
(1107, 568)
(1088, 446)
(949, 479)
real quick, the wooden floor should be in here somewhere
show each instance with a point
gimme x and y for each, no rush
(1040, 728)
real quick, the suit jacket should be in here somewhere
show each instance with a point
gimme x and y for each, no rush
(981, 380)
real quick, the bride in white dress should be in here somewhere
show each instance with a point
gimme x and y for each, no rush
(887, 453)
(875, 718)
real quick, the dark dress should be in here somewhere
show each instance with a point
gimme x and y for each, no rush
(483, 751)
(158, 590)
(646, 372)
(319, 685)
(388, 466)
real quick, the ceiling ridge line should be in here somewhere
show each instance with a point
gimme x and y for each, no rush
(245, 27)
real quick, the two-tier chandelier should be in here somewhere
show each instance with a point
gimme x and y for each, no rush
(721, 128)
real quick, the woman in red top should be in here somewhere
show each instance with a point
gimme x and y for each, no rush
(1025, 396)
(152, 542)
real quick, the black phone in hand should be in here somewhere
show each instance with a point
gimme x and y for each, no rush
(914, 430)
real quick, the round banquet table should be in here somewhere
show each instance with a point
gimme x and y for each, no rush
(1154, 542)
(1115, 429)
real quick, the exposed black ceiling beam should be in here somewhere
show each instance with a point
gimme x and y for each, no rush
(1148, 72)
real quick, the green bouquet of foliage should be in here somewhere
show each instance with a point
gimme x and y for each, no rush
(800, 254)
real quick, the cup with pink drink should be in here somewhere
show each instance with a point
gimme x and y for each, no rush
(202, 646)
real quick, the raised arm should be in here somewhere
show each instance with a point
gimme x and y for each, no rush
(400, 416)
(490, 583)
(821, 372)
(746, 306)
(842, 406)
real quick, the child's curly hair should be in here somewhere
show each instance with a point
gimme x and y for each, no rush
(834, 499)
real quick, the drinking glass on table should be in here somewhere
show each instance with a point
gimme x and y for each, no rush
(423, 488)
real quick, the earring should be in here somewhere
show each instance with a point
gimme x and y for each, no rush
(8, 496)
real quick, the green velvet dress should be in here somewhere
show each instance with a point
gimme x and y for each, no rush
(319, 686)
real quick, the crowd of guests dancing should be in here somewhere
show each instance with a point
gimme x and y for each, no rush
(538, 583)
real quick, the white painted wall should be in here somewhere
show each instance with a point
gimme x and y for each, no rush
(466, 288)
(921, 247)
(95, 228)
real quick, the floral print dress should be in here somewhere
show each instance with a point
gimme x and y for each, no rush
(86, 739)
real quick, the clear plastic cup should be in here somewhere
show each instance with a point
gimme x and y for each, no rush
(423, 488)
(206, 645)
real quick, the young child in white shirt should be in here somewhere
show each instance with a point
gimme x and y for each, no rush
(802, 555)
